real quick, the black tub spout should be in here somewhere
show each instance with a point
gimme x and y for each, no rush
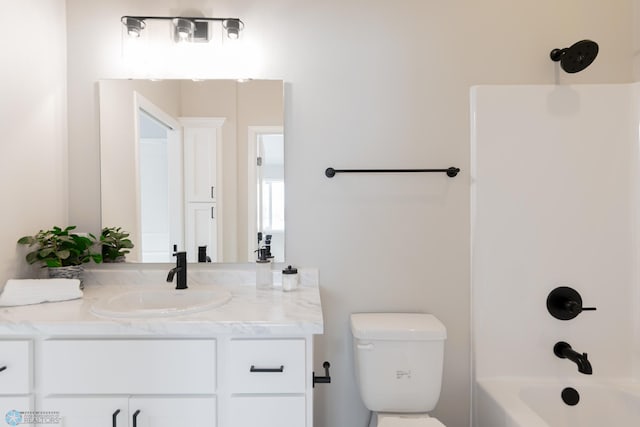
(564, 351)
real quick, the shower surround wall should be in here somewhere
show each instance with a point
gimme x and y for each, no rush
(554, 203)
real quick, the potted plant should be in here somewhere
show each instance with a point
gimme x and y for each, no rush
(115, 244)
(61, 251)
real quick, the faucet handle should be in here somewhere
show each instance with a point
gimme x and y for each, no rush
(565, 303)
(575, 307)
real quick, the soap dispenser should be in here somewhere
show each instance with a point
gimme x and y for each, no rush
(264, 278)
(289, 279)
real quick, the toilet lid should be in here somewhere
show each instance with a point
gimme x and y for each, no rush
(408, 421)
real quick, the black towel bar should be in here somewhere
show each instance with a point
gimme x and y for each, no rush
(331, 172)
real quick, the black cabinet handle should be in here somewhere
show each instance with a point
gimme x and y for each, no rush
(114, 417)
(135, 418)
(3, 368)
(254, 369)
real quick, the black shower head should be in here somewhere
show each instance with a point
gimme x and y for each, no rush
(577, 57)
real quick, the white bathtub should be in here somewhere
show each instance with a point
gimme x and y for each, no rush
(537, 403)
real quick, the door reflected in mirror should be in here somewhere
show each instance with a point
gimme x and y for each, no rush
(195, 166)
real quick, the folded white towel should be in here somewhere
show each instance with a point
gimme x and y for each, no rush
(35, 291)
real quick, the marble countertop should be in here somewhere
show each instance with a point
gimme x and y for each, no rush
(251, 311)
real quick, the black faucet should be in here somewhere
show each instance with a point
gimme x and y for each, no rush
(181, 269)
(564, 351)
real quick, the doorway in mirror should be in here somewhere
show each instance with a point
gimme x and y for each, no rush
(160, 182)
(266, 190)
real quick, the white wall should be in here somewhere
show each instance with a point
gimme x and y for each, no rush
(555, 204)
(635, 176)
(369, 84)
(33, 121)
(636, 41)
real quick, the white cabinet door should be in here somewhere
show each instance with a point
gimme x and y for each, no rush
(15, 367)
(104, 411)
(172, 411)
(202, 230)
(200, 164)
(95, 411)
(268, 411)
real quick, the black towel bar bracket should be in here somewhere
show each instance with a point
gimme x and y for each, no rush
(331, 172)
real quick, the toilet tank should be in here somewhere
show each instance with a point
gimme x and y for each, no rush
(398, 360)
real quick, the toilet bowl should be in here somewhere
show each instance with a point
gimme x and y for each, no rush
(399, 361)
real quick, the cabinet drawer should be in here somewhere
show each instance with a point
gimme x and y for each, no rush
(129, 366)
(267, 366)
(268, 411)
(15, 367)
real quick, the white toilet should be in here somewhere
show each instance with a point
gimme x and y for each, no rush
(398, 360)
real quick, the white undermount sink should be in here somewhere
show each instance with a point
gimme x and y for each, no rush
(160, 303)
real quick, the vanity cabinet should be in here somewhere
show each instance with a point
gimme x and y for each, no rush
(222, 381)
(246, 363)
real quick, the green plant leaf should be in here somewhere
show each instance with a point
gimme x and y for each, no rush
(64, 254)
(27, 240)
(53, 263)
(32, 257)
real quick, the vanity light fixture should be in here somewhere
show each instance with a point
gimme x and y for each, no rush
(185, 28)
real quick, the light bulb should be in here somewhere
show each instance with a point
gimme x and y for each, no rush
(134, 26)
(232, 26)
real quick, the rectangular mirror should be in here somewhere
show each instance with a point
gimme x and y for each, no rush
(194, 164)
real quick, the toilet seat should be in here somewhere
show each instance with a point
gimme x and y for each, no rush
(407, 420)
